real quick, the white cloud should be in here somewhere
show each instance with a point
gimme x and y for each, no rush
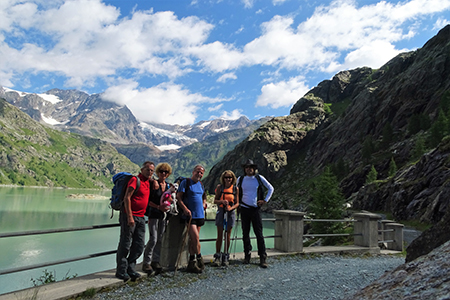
(239, 30)
(282, 93)
(226, 77)
(248, 3)
(166, 103)
(233, 115)
(440, 23)
(217, 56)
(374, 55)
(98, 44)
(278, 2)
(94, 43)
(215, 108)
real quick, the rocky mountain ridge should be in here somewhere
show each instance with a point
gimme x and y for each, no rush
(32, 154)
(359, 119)
(90, 115)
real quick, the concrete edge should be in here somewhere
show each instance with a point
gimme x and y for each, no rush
(71, 288)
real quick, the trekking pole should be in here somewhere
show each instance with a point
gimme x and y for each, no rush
(188, 226)
(225, 234)
(235, 233)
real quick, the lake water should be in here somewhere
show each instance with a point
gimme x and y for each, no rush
(25, 209)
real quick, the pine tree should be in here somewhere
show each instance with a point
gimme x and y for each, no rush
(445, 102)
(392, 168)
(414, 124)
(327, 203)
(425, 122)
(387, 135)
(367, 149)
(419, 148)
(439, 129)
(372, 175)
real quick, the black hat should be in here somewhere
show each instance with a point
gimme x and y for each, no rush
(250, 163)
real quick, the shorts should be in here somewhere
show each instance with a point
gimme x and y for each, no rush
(198, 222)
(231, 218)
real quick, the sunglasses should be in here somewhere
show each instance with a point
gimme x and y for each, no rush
(228, 177)
(164, 171)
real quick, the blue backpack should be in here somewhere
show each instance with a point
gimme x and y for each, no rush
(120, 181)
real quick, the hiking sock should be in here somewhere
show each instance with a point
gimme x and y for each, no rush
(199, 255)
(192, 257)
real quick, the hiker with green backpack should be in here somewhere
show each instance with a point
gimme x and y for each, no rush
(227, 200)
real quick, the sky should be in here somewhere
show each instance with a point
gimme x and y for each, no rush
(181, 62)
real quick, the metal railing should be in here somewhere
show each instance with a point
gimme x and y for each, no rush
(88, 256)
(330, 234)
(94, 227)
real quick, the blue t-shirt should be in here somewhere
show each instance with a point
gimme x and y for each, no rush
(193, 198)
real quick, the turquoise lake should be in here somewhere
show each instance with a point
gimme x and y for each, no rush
(25, 209)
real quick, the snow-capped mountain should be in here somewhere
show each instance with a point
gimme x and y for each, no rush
(89, 115)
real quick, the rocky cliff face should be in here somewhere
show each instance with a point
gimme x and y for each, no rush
(331, 124)
(423, 278)
(270, 144)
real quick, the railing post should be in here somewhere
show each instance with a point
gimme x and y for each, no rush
(383, 227)
(289, 224)
(171, 243)
(366, 229)
(396, 236)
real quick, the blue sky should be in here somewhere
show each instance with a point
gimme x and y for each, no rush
(180, 62)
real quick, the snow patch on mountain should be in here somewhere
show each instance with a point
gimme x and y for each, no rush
(204, 124)
(223, 129)
(168, 147)
(52, 121)
(166, 133)
(50, 98)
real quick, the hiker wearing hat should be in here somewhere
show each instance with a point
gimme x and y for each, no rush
(251, 195)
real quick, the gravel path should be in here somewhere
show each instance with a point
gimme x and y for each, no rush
(289, 277)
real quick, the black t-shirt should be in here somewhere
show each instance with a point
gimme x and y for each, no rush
(155, 197)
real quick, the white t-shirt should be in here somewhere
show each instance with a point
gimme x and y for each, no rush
(250, 190)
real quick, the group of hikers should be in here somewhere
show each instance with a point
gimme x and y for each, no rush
(144, 195)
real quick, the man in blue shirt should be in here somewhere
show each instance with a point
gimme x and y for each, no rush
(191, 198)
(251, 200)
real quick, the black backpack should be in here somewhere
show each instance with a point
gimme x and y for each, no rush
(188, 186)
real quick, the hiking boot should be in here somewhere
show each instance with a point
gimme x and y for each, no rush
(200, 263)
(124, 277)
(225, 259)
(217, 261)
(147, 268)
(247, 258)
(156, 266)
(192, 267)
(134, 275)
(262, 261)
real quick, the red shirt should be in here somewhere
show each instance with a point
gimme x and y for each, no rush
(139, 201)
